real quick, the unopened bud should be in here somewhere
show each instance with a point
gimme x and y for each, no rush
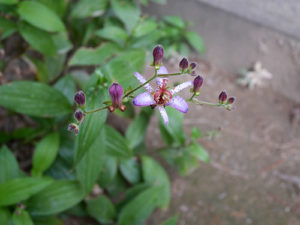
(193, 65)
(78, 115)
(116, 93)
(73, 127)
(184, 64)
(222, 97)
(198, 81)
(122, 108)
(79, 98)
(158, 54)
(230, 100)
(111, 108)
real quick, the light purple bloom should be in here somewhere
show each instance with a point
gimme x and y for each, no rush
(162, 96)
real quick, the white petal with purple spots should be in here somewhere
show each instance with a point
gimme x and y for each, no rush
(143, 80)
(143, 99)
(163, 114)
(181, 87)
(179, 104)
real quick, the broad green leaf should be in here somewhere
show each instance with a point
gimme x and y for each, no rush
(66, 85)
(171, 221)
(87, 139)
(38, 39)
(9, 2)
(19, 189)
(175, 21)
(195, 40)
(55, 65)
(130, 169)
(108, 172)
(140, 207)
(9, 168)
(93, 56)
(88, 8)
(62, 42)
(101, 209)
(173, 133)
(7, 27)
(146, 41)
(22, 218)
(127, 11)
(116, 144)
(144, 28)
(4, 137)
(40, 16)
(113, 33)
(35, 99)
(186, 163)
(184, 49)
(55, 198)
(198, 151)
(117, 186)
(5, 216)
(155, 174)
(196, 133)
(46, 220)
(45, 153)
(40, 68)
(57, 6)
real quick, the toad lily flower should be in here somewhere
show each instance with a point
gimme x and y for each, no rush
(162, 96)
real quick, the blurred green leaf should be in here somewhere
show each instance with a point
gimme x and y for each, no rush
(40, 16)
(198, 151)
(155, 174)
(160, 1)
(127, 11)
(93, 56)
(62, 42)
(117, 186)
(9, 168)
(184, 49)
(145, 27)
(101, 209)
(45, 153)
(66, 85)
(195, 40)
(7, 27)
(130, 169)
(19, 189)
(40, 68)
(9, 2)
(175, 21)
(38, 39)
(108, 172)
(47, 220)
(113, 33)
(173, 133)
(186, 163)
(87, 8)
(34, 99)
(145, 41)
(55, 65)
(128, 113)
(196, 133)
(5, 216)
(171, 221)
(4, 137)
(22, 218)
(57, 6)
(140, 207)
(55, 198)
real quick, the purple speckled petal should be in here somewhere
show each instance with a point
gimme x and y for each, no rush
(163, 114)
(143, 99)
(179, 104)
(143, 80)
(162, 70)
(181, 87)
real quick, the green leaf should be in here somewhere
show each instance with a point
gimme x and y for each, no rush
(93, 56)
(127, 11)
(34, 99)
(62, 42)
(9, 2)
(66, 85)
(40, 16)
(47, 220)
(38, 39)
(171, 221)
(45, 153)
(155, 174)
(22, 218)
(117, 186)
(144, 28)
(19, 189)
(116, 144)
(175, 21)
(173, 133)
(113, 33)
(5, 216)
(140, 207)
(198, 151)
(41, 69)
(9, 168)
(7, 27)
(88, 8)
(130, 169)
(108, 172)
(57, 6)
(186, 163)
(87, 139)
(55, 198)
(101, 209)
(195, 41)
(196, 133)
(160, 1)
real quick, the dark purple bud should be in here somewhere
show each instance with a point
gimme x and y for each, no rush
(158, 54)
(73, 127)
(222, 97)
(193, 65)
(198, 81)
(230, 100)
(79, 98)
(78, 115)
(116, 93)
(184, 64)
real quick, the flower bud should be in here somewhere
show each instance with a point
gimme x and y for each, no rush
(193, 65)
(222, 97)
(116, 93)
(73, 127)
(230, 100)
(198, 81)
(158, 53)
(78, 115)
(79, 98)
(184, 64)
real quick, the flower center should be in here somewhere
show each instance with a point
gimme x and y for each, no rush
(162, 96)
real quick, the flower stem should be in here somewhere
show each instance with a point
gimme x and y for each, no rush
(198, 102)
(169, 74)
(96, 110)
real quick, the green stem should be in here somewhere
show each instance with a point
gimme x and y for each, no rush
(198, 102)
(96, 110)
(169, 74)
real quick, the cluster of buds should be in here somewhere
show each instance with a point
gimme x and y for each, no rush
(185, 67)
(227, 103)
(79, 99)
